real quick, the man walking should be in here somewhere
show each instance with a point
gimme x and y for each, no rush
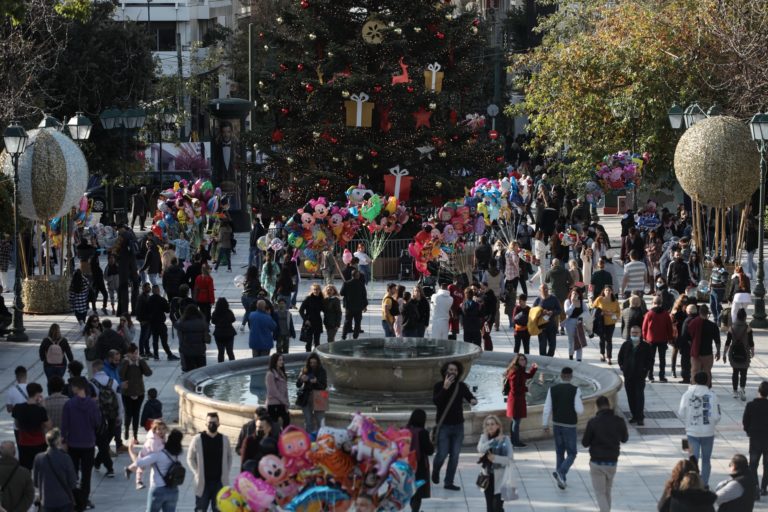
(564, 404)
(54, 476)
(18, 491)
(79, 421)
(551, 311)
(604, 435)
(210, 459)
(389, 310)
(257, 231)
(700, 412)
(684, 342)
(111, 409)
(657, 331)
(32, 421)
(635, 274)
(448, 396)
(355, 301)
(755, 422)
(635, 359)
(702, 333)
(16, 394)
(262, 328)
(158, 307)
(139, 201)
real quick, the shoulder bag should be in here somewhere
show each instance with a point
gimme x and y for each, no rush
(436, 429)
(60, 480)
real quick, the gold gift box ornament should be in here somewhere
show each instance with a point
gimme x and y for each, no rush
(433, 77)
(359, 111)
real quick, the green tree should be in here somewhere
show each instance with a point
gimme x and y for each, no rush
(314, 55)
(605, 76)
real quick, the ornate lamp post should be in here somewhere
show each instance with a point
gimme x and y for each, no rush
(79, 127)
(166, 119)
(125, 120)
(15, 139)
(759, 128)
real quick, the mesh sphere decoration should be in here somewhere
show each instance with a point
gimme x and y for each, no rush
(716, 162)
(53, 175)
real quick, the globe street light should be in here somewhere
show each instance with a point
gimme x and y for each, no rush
(759, 128)
(79, 127)
(15, 138)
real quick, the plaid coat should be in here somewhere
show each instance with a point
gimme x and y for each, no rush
(5, 255)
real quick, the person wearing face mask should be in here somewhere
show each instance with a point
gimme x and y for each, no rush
(635, 360)
(679, 274)
(210, 459)
(662, 290)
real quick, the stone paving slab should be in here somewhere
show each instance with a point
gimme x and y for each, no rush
(644, 464)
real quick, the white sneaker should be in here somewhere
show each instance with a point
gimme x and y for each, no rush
(743, 395)
(242, 328)
(735, 394)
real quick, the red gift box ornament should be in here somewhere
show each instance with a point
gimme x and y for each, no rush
(398, 183)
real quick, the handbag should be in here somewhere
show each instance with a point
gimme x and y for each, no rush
(306, 333)
(302, 396)
(436, 429)
(580, 338)
(507, 489)
(487, 341)
(483, 480)
(320, 400)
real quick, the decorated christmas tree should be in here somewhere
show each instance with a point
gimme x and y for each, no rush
(348, 89)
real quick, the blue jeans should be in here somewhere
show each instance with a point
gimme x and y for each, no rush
(162, 499)
(449, 439)
(210, 490)
(716, 303)
(565, 441)
(247, 303)
(514, 430)
(570, 329)
(365, 270)
(254, 255)
(389, 331)
(701, 448)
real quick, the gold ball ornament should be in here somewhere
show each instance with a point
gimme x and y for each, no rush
(265, 107)
(289, 160)
(716, 162)
(345, 94)
(373, 31)
(473, 30)
(279, 20)
(266, 47)
(312, 36)
(432, 106)
(330, 55)
(417, 29)
(439, 184)
(398, 31)
(442, 154)
(316, 135)
(359, 156)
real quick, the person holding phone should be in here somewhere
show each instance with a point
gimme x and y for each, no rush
(515, 388)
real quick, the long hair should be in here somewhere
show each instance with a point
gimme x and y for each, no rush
(743, 279)
(678, 472)
(221, 305)
(418, 418)
(514, 364)
(273, 364)
(312, 356)
(680, 304)
(54, 332)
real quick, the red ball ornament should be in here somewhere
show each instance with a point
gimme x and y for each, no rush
(277, 135)
(284, 111)
(409, 89)
(377, 89)
(283, 68)
(499, 159)
(304, 4)
(309, 88)
(334, 140)
(476, 22)
(440, 35)
(493, 135)
(454, 138)
(300, 66)
(374, 153)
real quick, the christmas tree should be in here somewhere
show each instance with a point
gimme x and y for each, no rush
(348, 89)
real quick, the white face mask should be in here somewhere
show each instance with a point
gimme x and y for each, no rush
(659, 283)
(635, 339)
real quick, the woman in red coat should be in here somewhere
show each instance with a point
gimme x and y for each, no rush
(515, 387)
(203, 292)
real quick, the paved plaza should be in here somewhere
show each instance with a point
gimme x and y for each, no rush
(644, 464)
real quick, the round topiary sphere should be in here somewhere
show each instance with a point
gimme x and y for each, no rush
(717, 163)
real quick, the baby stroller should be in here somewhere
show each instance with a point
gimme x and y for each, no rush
(405, 263)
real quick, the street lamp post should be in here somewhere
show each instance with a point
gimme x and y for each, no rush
(125, 120)
(759, 128)
(15, 139)
(167, 118)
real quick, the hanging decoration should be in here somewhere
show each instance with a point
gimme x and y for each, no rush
(403, 77)
(398, 183)
(359, 111)
(422, 118)
(433, 78)
(373, 31)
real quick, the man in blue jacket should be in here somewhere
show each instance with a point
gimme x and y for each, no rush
(262, 327)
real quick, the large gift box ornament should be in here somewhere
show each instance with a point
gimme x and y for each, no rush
(398, 183)
(433, 78)
(359, 110)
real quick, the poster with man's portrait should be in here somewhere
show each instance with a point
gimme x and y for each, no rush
(226, 159)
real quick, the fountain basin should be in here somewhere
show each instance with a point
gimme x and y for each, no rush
(402, 366)
(237, 397)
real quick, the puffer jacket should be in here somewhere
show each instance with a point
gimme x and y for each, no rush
(192, 336)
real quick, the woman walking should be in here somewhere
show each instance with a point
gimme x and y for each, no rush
(471, 318)
(78, 295)
(203, 292)
(496, 449)
(422, 305)
(587, 265)
(740, 349)
(160, 496)
(251, 289)
(269, 273)
(91, 333)
(55, 353)
(574, 308)
(311, 313)
(224, 331)
(423, 448)
(678, 318)
(283, 286)
(611, 311)
(312, 378)
(276, 382)
(132, 371)
(540, 256)
(741, 292)
(192, 329)
(515, 387)
(331, 312)
(126, 329)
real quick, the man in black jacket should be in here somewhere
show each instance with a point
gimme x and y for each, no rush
(257, 231)
(109, 340)
(604, 435)
(755, 421)
(635, 360)
(678, 273)
(355, 299)
(158, 307)
(173, 278)
(448, 396)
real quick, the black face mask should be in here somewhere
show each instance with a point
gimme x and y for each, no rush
(213, 427)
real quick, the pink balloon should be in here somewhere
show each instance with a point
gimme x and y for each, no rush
(346, 257)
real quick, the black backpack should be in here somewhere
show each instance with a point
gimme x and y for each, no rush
(174, 477)
(739, 352)
(108, 405)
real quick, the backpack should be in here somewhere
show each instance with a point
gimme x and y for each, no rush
(108, 405)
(739, 351)
(174, 477)
(54, 355)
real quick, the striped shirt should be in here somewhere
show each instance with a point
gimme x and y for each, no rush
(635, 272)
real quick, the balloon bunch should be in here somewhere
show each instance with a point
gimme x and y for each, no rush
(621, 170)
(330, 473)
(441, 236)
(494, 199)
(184, 206)
(569, 237)
(593, 193)
(318, 226)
